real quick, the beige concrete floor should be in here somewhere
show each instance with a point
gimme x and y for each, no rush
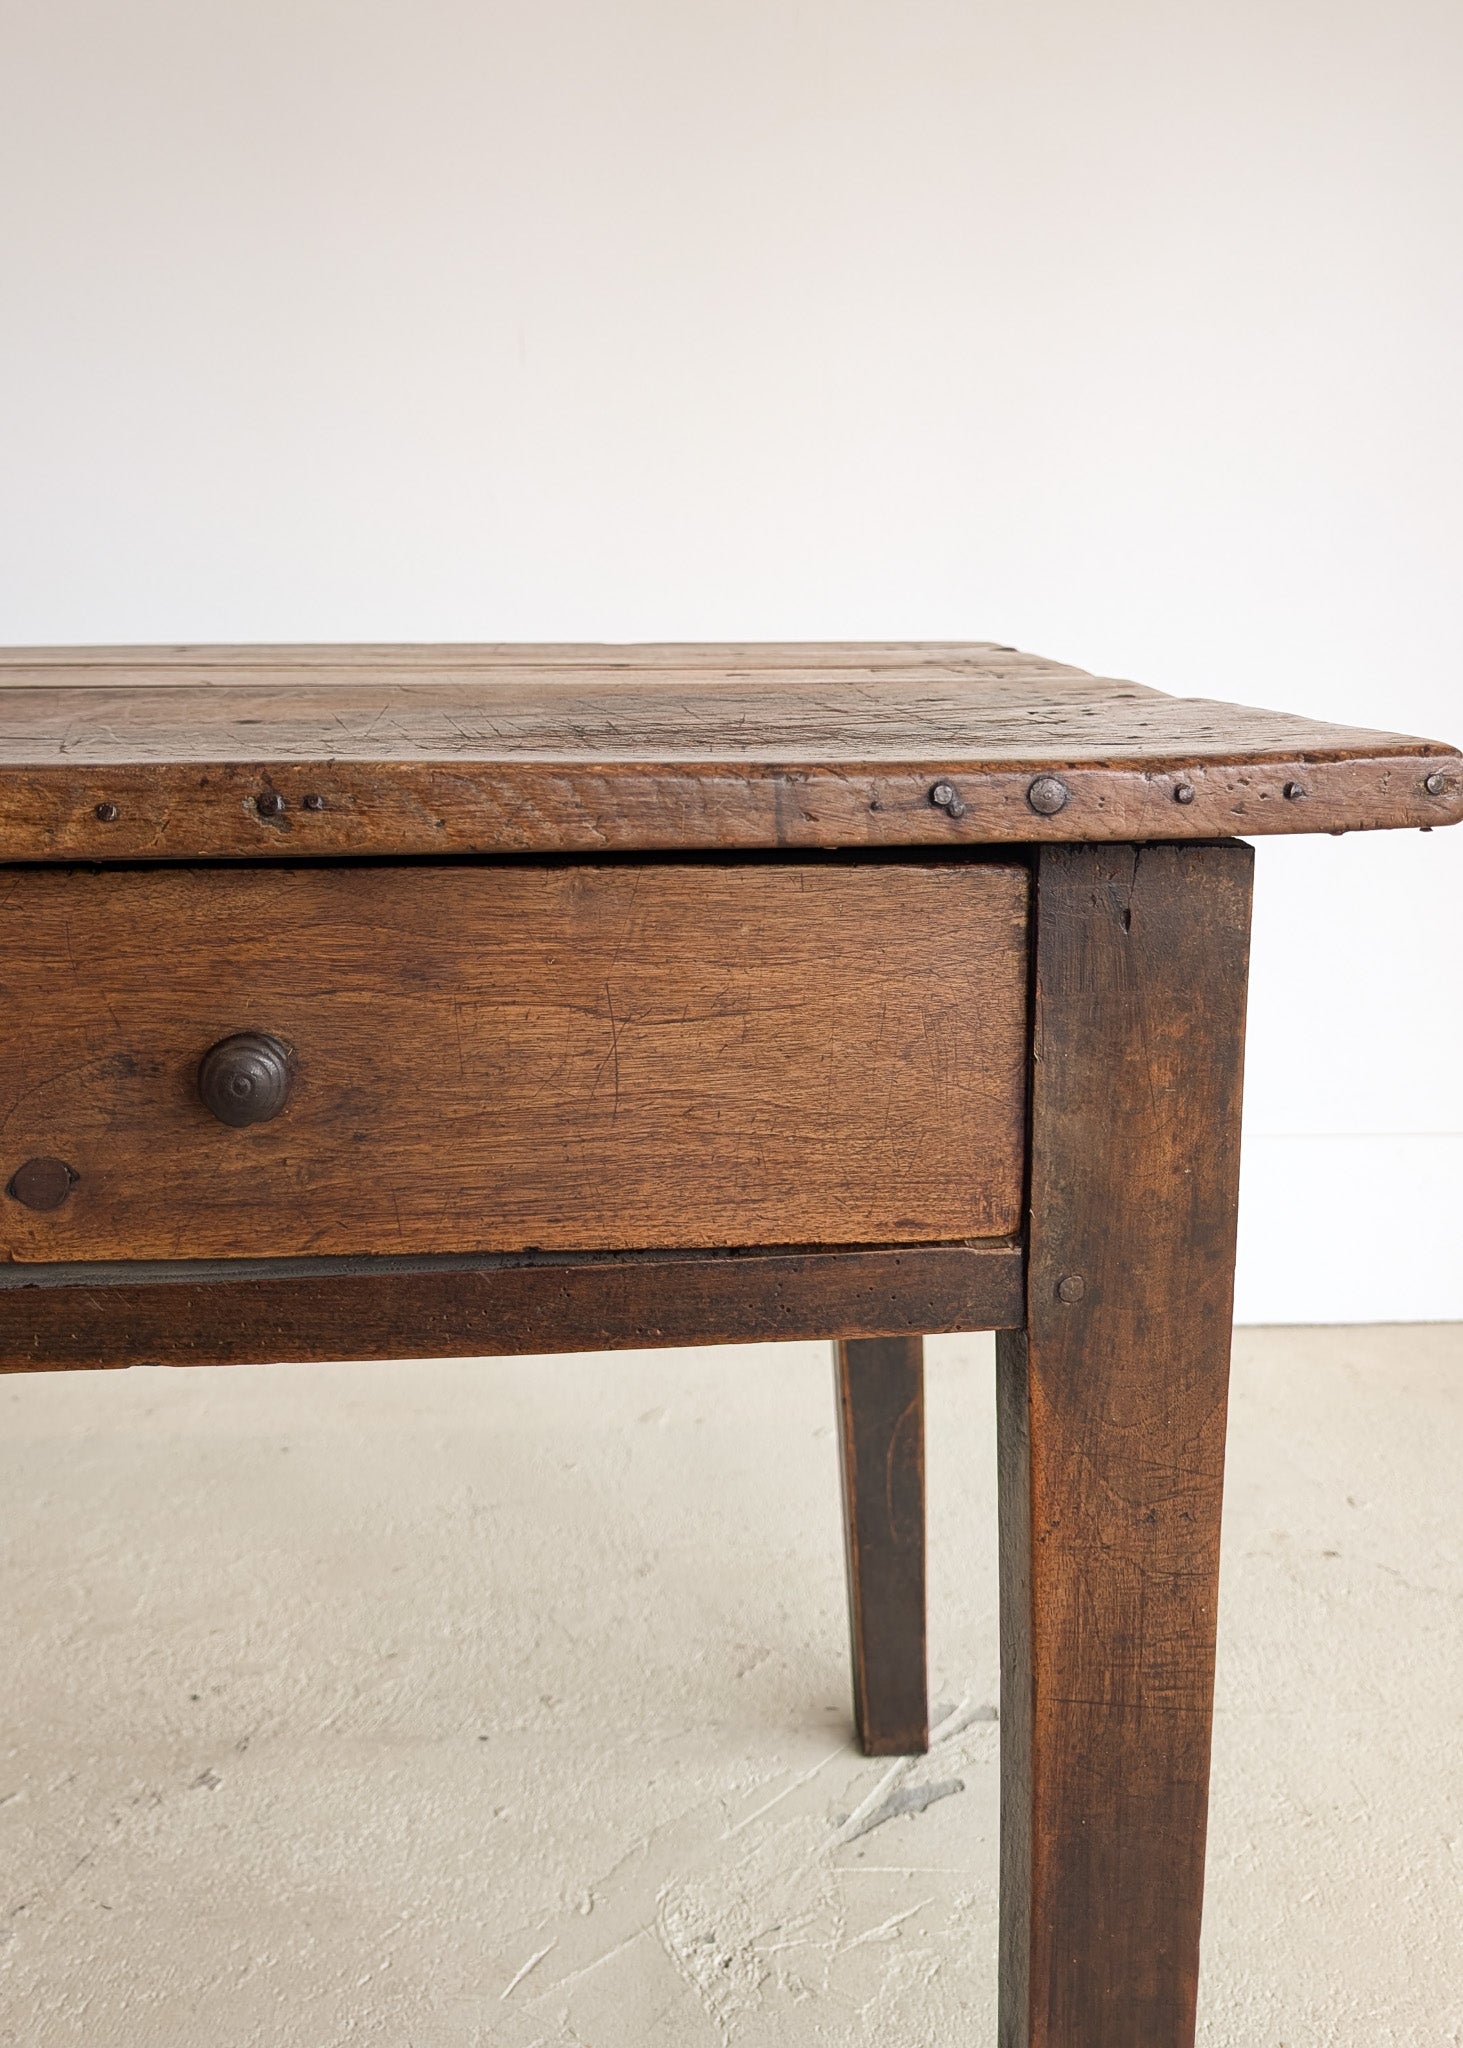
(447, 1704)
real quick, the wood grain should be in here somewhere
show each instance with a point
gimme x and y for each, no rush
(499, 1058)
(147, 753)
(1111, 1413)
(881, 1409)
(606, 661)
(63, 1318)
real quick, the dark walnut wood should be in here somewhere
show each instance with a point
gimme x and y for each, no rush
(235, 1311)
(1111, 1437)
(188, 753)
(882, 1440)
(502, 1058)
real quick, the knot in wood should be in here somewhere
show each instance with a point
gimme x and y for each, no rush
(42, 1183)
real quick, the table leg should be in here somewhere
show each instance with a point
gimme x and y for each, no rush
(882, 1435)
(1111, 1428)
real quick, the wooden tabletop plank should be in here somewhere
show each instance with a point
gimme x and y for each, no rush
(188, 753)
(725, 658)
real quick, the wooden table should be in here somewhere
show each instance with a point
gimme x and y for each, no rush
(381, 1001)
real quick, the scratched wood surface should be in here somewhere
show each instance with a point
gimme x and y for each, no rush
(495, 1058)
(608, 661)
(1111, 1426)
(188, 753)
(229, 1311)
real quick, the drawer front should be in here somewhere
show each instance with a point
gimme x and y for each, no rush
(489, 1058)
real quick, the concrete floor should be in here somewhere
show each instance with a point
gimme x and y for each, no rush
(449, 1704)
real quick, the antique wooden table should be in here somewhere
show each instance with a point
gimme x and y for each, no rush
(376, 1001)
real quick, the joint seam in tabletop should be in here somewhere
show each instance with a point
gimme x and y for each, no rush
(188, 754)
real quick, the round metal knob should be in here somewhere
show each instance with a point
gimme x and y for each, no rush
(245, 1079)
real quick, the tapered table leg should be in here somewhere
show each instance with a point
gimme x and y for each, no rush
(882, 1435)
(1111, 1431)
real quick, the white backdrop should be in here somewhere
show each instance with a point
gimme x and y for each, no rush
(1126, 332)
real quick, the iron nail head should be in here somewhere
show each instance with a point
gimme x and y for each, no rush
(1183, 793)
(108, 813)
(269, 803)
(1435, 783)
(1048, 795)
(1295, 791)
(1071, 1287)
(314, 801)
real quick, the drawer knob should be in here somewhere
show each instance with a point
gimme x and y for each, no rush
(245, 1079)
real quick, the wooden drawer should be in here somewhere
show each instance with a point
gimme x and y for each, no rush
(492, 1058)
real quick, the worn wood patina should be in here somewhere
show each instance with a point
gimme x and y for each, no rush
(387, 1002)
(191, 753)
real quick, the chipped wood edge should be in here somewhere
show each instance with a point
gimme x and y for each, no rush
(140, 811)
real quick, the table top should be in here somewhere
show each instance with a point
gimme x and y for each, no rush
(201, 752)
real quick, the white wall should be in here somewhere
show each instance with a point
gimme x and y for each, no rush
(1126, 331)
